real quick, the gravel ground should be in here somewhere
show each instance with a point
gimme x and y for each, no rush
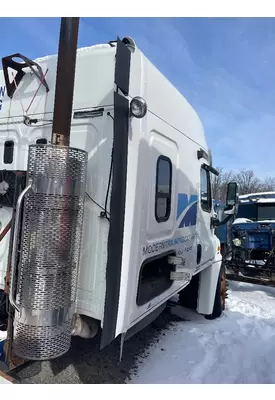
(84, 363)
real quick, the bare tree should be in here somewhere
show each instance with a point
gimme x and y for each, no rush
(246, 179)
(217, 183)
(268, 185)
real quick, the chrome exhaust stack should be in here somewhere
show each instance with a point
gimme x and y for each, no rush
(49, 242)
(48, 227)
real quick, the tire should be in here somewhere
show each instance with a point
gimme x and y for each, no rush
(188, 297)
(219, 302)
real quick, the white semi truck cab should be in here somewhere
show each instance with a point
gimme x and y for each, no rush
(106, 230)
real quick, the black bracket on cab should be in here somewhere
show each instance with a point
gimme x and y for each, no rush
(9, 62)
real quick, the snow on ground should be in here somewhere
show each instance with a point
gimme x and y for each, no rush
(3, 335)
(4, 381)
(239, 347)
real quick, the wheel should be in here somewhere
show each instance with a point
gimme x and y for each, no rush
(221, 295)
(188, 297)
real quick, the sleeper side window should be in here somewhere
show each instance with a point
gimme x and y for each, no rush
(163, 189)
(8, 152)
(206, 200)
(41, 141)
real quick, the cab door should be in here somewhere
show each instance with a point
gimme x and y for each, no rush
(205, 244)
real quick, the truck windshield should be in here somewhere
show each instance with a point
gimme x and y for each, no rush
(257, 212)
(266, 211)
(248, 211)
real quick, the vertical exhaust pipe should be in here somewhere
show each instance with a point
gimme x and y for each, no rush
(50, 238)
(65, 77)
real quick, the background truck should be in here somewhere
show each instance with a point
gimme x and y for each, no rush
(249, 242)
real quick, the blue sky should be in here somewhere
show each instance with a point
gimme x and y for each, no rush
(225, 67)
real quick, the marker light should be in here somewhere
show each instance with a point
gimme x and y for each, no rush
(138, 107)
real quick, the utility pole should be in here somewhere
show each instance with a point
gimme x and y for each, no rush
(65, 77)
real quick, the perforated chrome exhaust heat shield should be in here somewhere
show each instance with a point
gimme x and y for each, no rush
(49, 251)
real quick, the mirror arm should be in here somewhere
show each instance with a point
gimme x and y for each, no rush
(217, 223)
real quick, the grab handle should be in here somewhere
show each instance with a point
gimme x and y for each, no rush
(12, 297)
